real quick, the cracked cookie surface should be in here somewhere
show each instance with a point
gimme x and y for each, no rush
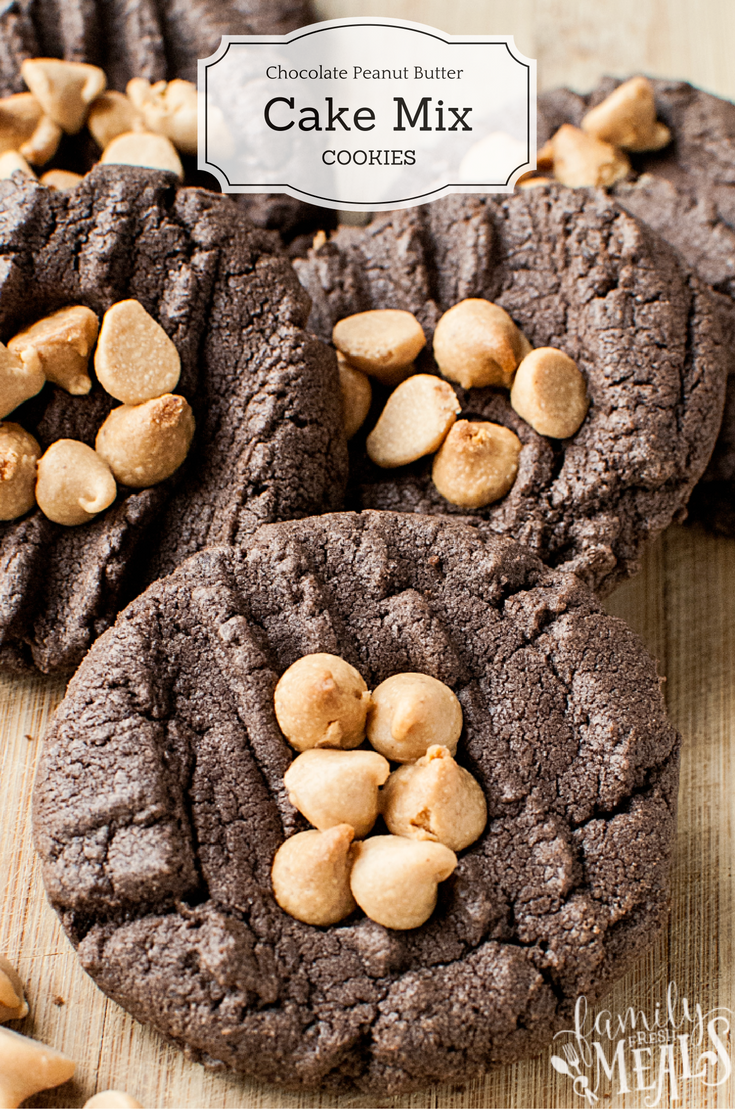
(265, 394)
(156, 39)
(574, 271)
(160, 804)
(685, 192)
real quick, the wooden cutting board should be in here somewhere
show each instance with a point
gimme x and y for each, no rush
(682, 604)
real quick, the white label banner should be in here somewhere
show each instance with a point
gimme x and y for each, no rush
(367, 114)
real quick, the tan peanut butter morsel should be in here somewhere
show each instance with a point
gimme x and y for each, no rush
(145, 149)
(476, 343)
(12, 999)
(43, 143)
(410, 713)
(337, 787)
(19, 453)
(169, 108)
(25, 128)
(357, 395)
(581, 160)
(549, 393)
(146, 443)
(322, 701)
(27, 1066)
(435, 799)
(627, 118)
(18, 381)
(394, 880)
(61, 179)
(534, 182)
(311, 875)
(416, 418)
(112, 1099)
(476, 464)
(12, 162)
(59, 346)
(74, 484)
(135, 360)
(382, 342)
(113, 114)
(545, 158)
(64, 89)
(20, 115)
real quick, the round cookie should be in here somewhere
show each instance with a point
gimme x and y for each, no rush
(684, 191)
(160, 804)
(574, 271)
(159, 40)
(156, 39)
(268, 443)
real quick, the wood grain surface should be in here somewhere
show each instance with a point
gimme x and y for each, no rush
(682, 604)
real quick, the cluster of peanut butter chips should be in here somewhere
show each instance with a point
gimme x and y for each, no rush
(477, 825)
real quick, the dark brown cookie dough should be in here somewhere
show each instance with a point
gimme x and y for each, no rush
(268, 442)
(160, 804)
(574, 271)
(685, 192)
(157, 39)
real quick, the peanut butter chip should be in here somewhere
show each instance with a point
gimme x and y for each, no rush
(168, 108)
(581, 160)
(145, 443)
(18, 381)
(12, 1000)
(357, 395)
(43, 143)
(394, 880)
(61, 179)
(435, 799)
(59, 346)
(74, 484)
(477, 343)
(19, 116)
(112, 1099)
(112, 114)
(143, 148)
(135, 360)
(414, 422)
(627, 118)
(476, 464)
(27, 1066)
(337, 787)
(19, 453)
(382, 342)
(410, 713)
(311, 875)
(64, 89)
(322, 701)
(12, 162)
(549, 393)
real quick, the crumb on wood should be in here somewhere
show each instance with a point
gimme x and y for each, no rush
(59, 1000)
(31, 738)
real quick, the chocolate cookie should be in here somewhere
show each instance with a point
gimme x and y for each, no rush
(160, 804)
(574, 271)
(157, 39)
(268, 443)
(685, 192)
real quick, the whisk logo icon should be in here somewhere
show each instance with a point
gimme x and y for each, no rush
(659, 1051)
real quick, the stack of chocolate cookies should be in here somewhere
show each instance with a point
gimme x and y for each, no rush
(161, 803)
